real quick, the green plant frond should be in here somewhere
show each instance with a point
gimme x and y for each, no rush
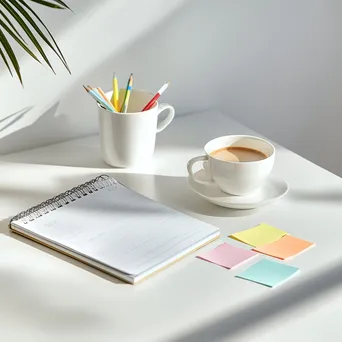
(59, 54)
(23, 15)
(5, 43)
(5, 61)
(12, 34)
(62, 4)
(48, 4)
(12, 26)
(27, 30)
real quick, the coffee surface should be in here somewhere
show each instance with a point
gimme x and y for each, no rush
(238, 154)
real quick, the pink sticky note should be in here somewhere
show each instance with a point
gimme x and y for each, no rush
(227, 256)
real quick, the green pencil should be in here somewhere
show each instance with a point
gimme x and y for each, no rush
(127, 94)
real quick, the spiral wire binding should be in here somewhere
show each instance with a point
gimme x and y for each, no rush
(64, 198)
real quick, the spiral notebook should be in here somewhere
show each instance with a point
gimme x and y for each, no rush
(107, 225)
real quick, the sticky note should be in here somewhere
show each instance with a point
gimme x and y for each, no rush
(268, 273)
(259, 235)
(286, 247)
(227, 256)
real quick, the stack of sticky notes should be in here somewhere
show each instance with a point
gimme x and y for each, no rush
(266, 240)
(273, 242)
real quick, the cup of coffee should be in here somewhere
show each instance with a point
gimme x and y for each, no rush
(128, 139)
(237, 164)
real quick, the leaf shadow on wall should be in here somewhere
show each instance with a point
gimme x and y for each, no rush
(11, 119)
(32, 135)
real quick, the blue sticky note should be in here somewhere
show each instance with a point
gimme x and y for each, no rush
(269, 273)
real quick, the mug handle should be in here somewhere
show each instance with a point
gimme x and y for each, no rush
(162, 125)
(191, 163)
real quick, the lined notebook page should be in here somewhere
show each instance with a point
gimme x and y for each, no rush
(121, 229)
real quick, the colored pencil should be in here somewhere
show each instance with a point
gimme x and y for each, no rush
(104, 97)
(127, 94)
(98, 98)
(115, 96)
(156, 97)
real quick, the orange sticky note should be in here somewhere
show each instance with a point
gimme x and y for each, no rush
(286, 247)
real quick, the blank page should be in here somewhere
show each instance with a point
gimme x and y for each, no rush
(121, 229)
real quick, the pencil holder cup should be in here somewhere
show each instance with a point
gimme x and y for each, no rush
(128, 139)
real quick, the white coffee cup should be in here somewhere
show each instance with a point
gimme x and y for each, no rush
(128, 139)
(236, 178)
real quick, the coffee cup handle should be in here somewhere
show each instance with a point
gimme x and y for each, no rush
(190, 165)
(162, 125)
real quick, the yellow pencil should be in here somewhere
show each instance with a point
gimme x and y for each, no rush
(127, 95)
(115, 96)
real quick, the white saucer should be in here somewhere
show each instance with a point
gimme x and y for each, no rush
(270, 191)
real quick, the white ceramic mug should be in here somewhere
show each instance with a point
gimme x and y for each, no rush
(129, 138)
(236, 178)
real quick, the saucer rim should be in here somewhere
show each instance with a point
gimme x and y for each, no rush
(250, 205)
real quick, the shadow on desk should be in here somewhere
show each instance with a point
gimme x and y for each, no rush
(36, 308)
(326, 196)
(242, 321)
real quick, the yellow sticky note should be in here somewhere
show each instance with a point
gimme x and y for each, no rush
(259, 235)
(286, 247)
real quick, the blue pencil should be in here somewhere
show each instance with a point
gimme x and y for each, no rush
(98, 98)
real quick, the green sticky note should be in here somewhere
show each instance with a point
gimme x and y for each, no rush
(259, 235)
(269, 273)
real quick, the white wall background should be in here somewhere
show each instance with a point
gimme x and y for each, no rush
(274, 65)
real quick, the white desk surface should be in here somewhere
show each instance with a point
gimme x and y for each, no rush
(45, 296)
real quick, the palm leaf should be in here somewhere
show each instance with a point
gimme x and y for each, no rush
(27, 30)
(3, 42)
(62, 4)
(5, 61)
(59, 54)
(7, 28)
(10, 54)
(21, 11)
(48, 4)
(12, 26)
